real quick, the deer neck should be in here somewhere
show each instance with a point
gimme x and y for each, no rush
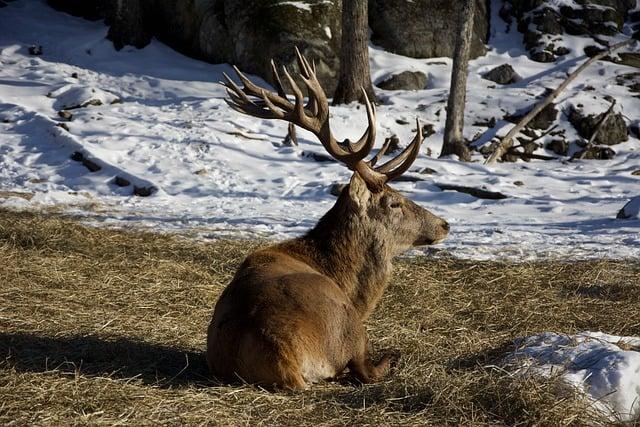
(354, 257)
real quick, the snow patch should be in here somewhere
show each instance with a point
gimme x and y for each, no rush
(605, 368)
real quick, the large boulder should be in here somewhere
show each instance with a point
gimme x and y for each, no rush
(424, 28)
(249, 33)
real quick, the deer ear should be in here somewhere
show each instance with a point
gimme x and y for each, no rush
(358, 191)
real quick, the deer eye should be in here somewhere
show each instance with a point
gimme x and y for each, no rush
(396, 205)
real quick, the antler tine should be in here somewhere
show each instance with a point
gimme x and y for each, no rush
(277, 81)
(234, 90)
(381, 152)
(303, 64)
(252, 89)
(278, 113)
(368, 139)
(298, 113)
(398, 165)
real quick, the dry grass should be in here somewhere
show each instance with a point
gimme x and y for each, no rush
(107, 327)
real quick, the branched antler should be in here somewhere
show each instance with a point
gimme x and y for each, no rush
(313, 116)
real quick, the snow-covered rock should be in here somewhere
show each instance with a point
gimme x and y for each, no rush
(75, 96)
(606, 368)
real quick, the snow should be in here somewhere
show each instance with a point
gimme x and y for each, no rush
(221, 174)
(606, 368)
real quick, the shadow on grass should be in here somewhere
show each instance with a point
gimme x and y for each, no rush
(123, 358)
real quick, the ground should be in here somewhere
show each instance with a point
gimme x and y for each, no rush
(99, 326)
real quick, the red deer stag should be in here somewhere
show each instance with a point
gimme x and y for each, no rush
(294, 312)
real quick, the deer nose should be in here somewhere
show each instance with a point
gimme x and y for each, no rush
(446, 226)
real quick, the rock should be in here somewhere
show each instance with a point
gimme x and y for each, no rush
(558, 146)
(631, 210)
(336, 189)
(247, 33)
(614, 131)
(489, 123)
(92, 10)
(542, 121)
(121, 182)
(129, 28)
(518, 183)
(74, 75)
(592, 50)
(318, 157)
(631, 80)
(394, 144)
(428, 129)
(543, 56)
(631, 59)
(71, 96)
(91, 165)
(428, 171)
(65, 115)
(77, 156)
(35, 50)
(144, 191)
(406, 80)
(63, 126)
(547, 21)
(596, 152)
(634, 129)
(636, 173)
(424, 28)
(503, 74)
(408, 178)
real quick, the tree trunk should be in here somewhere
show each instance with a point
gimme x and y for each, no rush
(454, 142)
(354, 56)
(128, 26)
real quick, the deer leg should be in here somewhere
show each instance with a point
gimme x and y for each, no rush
(364, 370)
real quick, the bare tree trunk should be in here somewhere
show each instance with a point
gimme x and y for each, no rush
(454, 142)
(354, 56)
(128, 27)
(507, 141)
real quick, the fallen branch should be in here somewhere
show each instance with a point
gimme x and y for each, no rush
(596, 132)
(507, 141)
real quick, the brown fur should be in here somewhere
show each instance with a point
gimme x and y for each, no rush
(294, 312)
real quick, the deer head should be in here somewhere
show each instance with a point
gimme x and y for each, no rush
(369, 201)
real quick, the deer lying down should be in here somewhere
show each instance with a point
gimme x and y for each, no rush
(294, 312)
